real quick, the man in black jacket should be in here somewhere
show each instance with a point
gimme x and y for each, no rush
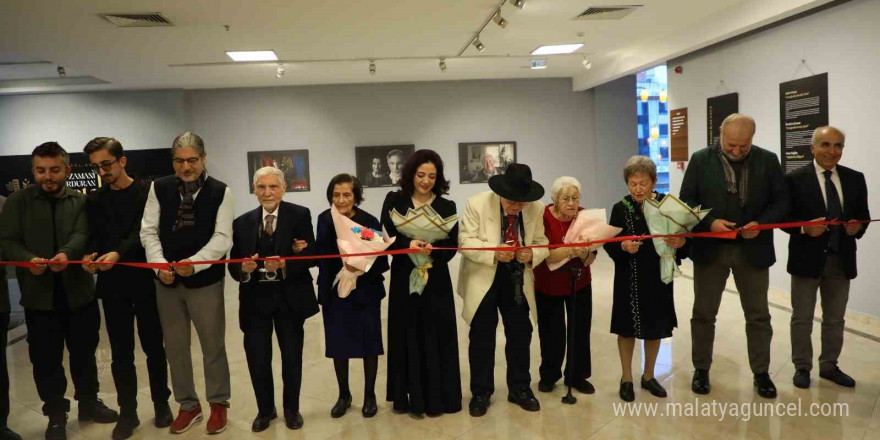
(114, 212)
(823, 258)
(744, 186)
(275, 293)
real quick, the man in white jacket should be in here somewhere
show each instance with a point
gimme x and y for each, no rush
(508, 215)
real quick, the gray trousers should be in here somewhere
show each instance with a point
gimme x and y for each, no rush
(205, 309)
(834, 288)
(752, 284)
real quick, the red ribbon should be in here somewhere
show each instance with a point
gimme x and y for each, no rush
(728, 235)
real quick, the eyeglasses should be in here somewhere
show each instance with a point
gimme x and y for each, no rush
(574, 199)
(191, 160)
(105, 165)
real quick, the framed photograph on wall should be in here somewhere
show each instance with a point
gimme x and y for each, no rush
(381, 165)
(478, 161)
(293, 163)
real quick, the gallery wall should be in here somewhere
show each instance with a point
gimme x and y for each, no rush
(842, 41)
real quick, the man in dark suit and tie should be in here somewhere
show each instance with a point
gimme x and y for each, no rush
(744, 186)
(275, 293)
(823, 258)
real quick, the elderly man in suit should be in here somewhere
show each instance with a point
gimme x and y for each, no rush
(508, 215)
(275, 293)
(744, 186)
(823, 258)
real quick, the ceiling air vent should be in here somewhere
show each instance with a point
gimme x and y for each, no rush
(137, 20)
(607, 12)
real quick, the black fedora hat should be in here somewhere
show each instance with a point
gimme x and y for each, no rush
(516, 184)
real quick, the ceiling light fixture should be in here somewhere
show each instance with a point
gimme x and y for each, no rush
(557, 49)
(479, 44)
(443, 65)
(61, 72)
(499, 20)
(372, 67)
(242, 56)
(280, 72)
(519, 3)
(587, 64)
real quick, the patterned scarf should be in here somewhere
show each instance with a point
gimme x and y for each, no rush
(186, 213)
(742, 188)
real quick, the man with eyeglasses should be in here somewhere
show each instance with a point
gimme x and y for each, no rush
(46, 224)
(114, 212)
(188, 219)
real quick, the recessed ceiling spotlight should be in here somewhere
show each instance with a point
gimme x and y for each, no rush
(479, 44)
(519, 3)
(587, 64)
(557, 49)
(372, 67)
(252, 55)
(499, 20)
(442, 64)
(280, 72)
(61, 72)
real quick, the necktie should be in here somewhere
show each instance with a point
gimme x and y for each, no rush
(268, 228)
(510, 233)
(835, 211)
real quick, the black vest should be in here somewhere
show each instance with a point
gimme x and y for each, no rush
(179, 245)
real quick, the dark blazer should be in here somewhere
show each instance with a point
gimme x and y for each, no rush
(294, 222)
(767, 202)
(806, 255)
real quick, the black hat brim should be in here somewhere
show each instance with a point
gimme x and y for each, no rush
(500, 185)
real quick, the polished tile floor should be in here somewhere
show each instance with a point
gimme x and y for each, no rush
(597, 416)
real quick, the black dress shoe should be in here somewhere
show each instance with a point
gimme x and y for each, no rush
(342, 405)
(765, 386)
(700, 383)
(370, 408)
(627, 394)
(801, 378)
(653, 387)
(293, 419)
(545, 387)
(838, 377)
(164, 417)
(8, 434)
(479, 405)
(57, 429)
(525, 399)
(261, 422)
(125, 427)
(97, 412)
(585, 387)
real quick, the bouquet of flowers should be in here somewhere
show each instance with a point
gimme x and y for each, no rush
(589, 225)
(423, 223)
(352, 238)
(670, 216)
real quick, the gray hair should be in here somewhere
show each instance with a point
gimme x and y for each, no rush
(189, 139)
(265, 171)
(737, 117)
(560, 184)
(639, 164)
(819, 130)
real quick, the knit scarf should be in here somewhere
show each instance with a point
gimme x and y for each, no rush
(186, 213)
(734, 187)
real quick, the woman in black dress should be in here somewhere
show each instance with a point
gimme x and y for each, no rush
(423, 368)
(643, 307)
(352, 325)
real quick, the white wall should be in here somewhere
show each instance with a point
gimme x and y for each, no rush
(616, 136)
(842, 41)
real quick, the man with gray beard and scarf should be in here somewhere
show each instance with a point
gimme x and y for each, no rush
(744, 186)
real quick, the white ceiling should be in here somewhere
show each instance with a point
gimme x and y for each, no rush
(69, 33)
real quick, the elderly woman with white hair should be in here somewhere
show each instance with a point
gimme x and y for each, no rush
(554, 300)
(643, 307)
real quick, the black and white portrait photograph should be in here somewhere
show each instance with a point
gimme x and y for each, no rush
(381, 165)
(478, 161)
(293, 163)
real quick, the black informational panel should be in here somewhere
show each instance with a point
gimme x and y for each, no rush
(803, 107)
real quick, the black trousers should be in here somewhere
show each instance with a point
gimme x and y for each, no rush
(555, 332)
(122, 308)
(48, 332)
(4, 371)
(257, 324)
(517, 331)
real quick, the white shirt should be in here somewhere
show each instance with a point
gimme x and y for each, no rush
(215, 249)
(835, 178)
